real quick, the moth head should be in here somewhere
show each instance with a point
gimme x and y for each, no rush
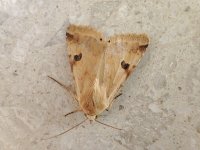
(92, 118)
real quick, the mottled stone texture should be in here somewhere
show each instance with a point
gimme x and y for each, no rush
(160, 105)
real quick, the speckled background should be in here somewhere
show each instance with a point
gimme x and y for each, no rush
(160, 105)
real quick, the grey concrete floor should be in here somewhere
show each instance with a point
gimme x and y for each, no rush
(160, 105)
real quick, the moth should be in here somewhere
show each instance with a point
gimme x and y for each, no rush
(100, 66)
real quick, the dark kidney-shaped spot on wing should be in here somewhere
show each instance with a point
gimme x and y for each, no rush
(78, 57)
(125, 65)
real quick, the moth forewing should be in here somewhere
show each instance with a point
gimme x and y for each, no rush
(124, 59)
(87, 42)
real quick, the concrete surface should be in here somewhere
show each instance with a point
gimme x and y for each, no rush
(160, 105)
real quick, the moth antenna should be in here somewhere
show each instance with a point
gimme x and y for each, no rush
(65, 131)
(108, 125)
(77, 110)
(65, 87)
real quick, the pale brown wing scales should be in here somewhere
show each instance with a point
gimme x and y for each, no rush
(122, 55)
(84, 50)
(100, 67)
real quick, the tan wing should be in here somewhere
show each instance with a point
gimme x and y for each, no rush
(85, 49)
(122, 54)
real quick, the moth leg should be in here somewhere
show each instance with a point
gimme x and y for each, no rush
(68, 88)
(118, 95)
(77, 110)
